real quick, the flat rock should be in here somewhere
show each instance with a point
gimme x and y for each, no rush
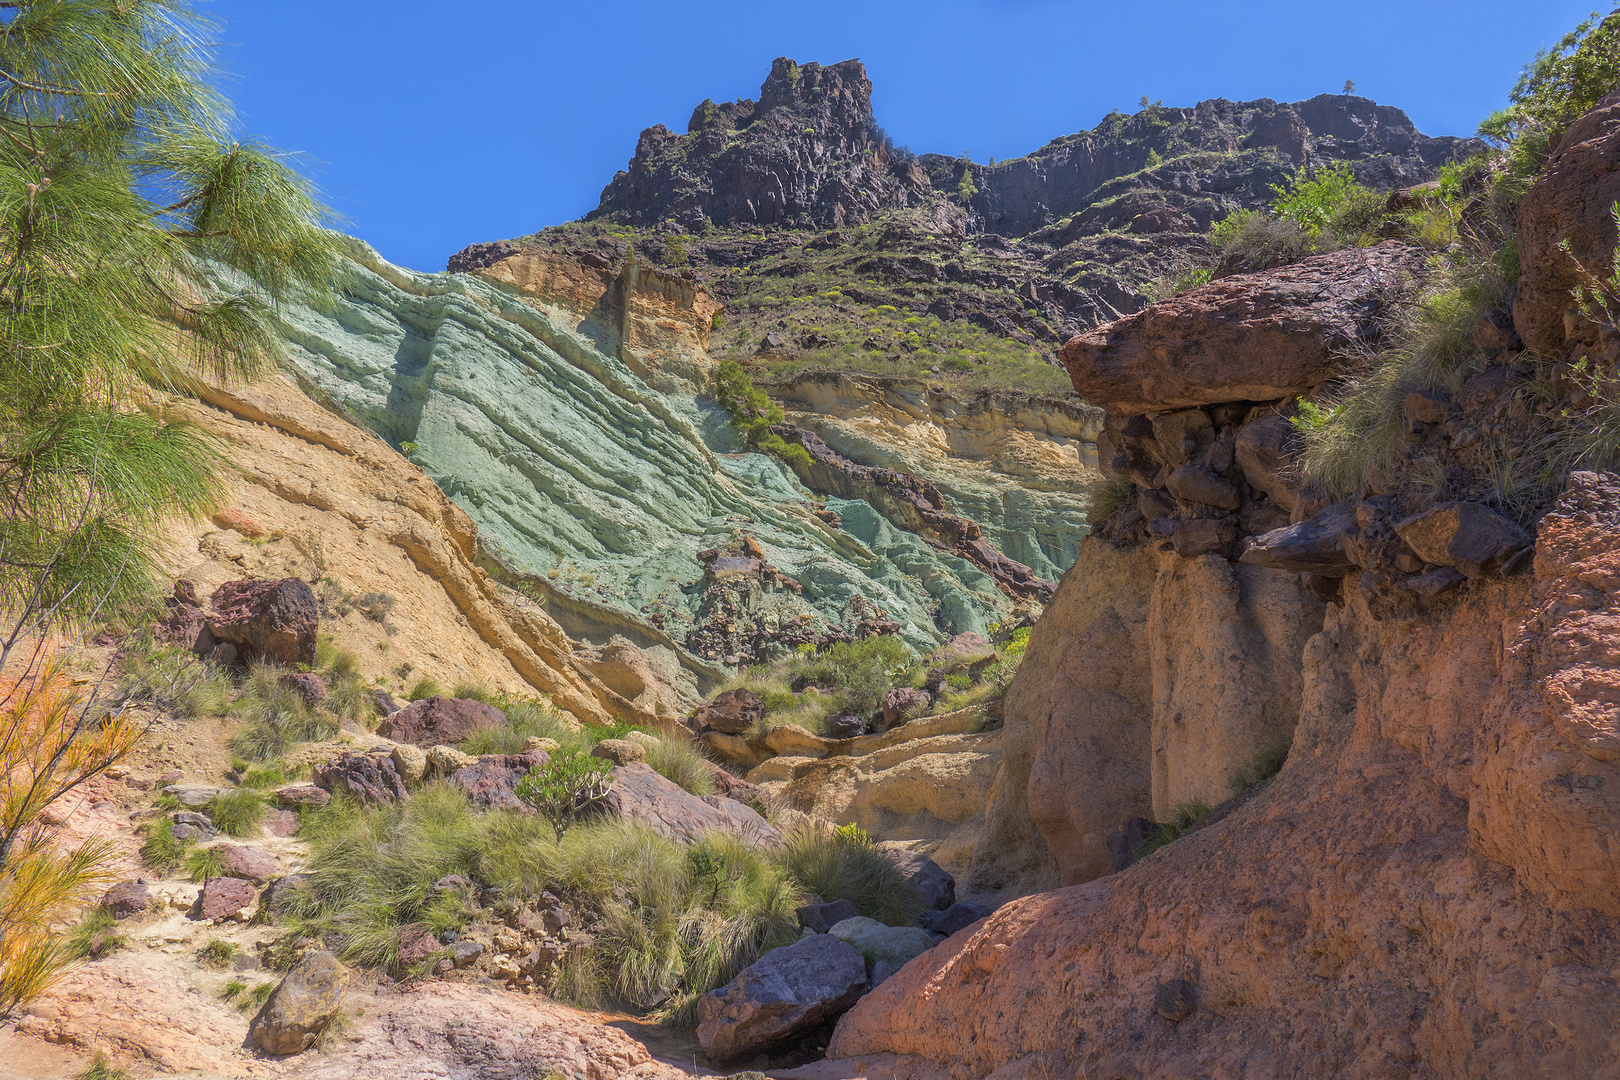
(619, 751)
(196, 796)
(786, 992)
(1249, 337)
(301, 1007)
(295, 795)
(641, 795)
(439, 720)
(1316, 545)
(251, 863)
(223, 897)
(884, 944)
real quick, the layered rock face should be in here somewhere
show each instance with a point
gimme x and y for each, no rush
(807, 151)
(592, 488)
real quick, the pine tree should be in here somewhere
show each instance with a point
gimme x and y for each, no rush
(139, 239)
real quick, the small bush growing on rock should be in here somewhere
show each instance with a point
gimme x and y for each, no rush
(563, 786)
(376, 606)
(839, 868)
(101, 1069)
(238, 811)
(217, 953)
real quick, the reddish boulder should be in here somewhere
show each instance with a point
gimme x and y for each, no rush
(126, 898)
(439, 721)
(641, 796)
(1250, 337)
(731, 713)
(902, 703)
(246, 862)
(1469, 536)
(367, 778)
(269, 620)
(1571, 201)
(307, 685)
(223, 897)
(492, 780)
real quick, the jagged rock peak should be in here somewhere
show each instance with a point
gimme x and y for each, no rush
(807, 152)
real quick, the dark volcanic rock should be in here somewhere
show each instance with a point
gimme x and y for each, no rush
(902, 703)
(1317, 544)
(126, 898)
(368, 778)
(272, 620)
(1465, 535)
(731, 713)
(823, 917)
(223, 897)
(1251, 337)
(784, 993)
(439, 720)
(933, 884)
(309, 686)
(959, 916)
(492, 780)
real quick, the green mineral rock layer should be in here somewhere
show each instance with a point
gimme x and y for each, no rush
(586, 483)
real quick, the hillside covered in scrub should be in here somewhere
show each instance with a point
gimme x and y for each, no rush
(1145, 608)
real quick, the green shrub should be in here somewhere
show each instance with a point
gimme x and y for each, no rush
(845, 868)
(859, 672)
(276, 716)
(526, 718)
(254, 1000)
(1553, 90)
(1313, 202)
(271, 774)
(238, 811)
(94, 936)
(231, 989)
(1249, 241)
(563, 786)
(476, 691)
(376, 606)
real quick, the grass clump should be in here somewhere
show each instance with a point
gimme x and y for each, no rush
(254, 999)
(101, 1069)
(681, 762)
(95, 936)
(526, 718)
(173, 680)
(347, 696)
(276, 717)
(424, 688)
(1184, 818)
(218, 953)
(204, 863)
(238, 811)
(848, 867)
(1262, 766)
(161, 849)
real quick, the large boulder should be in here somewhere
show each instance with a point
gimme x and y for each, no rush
(641, 795)
(439, 720)
(268, 620)
(250, 863)
(785, 993)
(882, 944)
(1570, 202)
(1249, 337)
(367, 778)
(223, 897)
(301, 1007)
(1316, 545)
(732, 712)
(127, 898)
(902, 703)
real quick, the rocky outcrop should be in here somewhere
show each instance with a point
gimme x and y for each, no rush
(1251, 337)
(808, 151)
(369, 779)
(642, 796)
(1570, 203)
(1444, 876)
(787, 992)
(439, 720)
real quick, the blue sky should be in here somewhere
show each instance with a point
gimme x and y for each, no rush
(430, 126)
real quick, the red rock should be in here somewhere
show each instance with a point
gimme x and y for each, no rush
(439, 720)
(731, 713)
(282, 822)
(246, 862)
(223, 897)
(308, 685)
(272, 620)
(492, 780)
(1570, 202)
(642, 796)
(369, 778)
(902, 703)
(1249, 337)
(126, 898)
